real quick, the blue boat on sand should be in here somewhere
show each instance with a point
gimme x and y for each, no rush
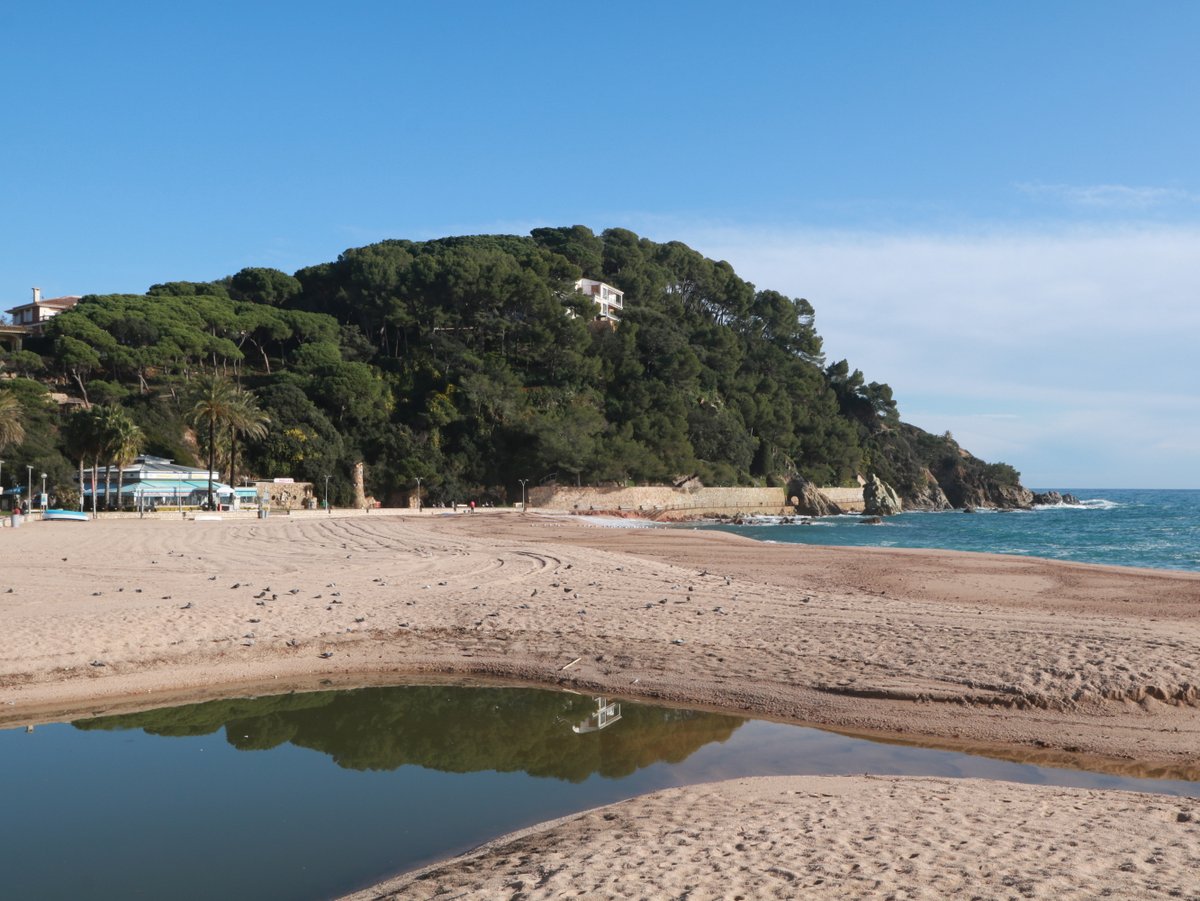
(67, 515)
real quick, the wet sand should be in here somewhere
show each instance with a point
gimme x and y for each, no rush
(1052, 662)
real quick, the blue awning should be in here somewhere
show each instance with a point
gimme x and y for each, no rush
(159, 488)
(218, 488)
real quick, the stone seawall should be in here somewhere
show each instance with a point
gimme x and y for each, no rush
(665, 502)
(661, 501)
(849, 499)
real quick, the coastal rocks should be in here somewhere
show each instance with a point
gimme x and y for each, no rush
(1010, 497)
(880, 499)
(933, 472)
(871, 521)
(928, 496)
(1054, 499)
(971, 486)
(808, 500)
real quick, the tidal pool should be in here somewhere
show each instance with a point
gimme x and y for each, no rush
(311, 795)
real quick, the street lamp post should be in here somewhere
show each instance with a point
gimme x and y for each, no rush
(42, 499)
(29, 488)
(419, 507)
(327, 510)
(522, 481)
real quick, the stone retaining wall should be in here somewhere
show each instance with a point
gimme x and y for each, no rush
(286, 495)
(850, 499)
(661, 500)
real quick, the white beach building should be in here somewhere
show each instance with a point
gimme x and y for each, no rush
(158, 482)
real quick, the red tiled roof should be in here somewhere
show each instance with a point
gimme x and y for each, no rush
(58, 303)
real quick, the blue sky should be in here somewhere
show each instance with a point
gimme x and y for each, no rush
(994, 207)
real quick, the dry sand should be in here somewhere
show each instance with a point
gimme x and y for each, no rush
(836, 837)
(1050, 662)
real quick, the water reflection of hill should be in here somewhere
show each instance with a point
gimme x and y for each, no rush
(450, 728)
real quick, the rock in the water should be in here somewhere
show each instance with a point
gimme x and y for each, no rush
(808, 499)
(871, 521)
(1053, 498)
(880, 499)
(967, 483)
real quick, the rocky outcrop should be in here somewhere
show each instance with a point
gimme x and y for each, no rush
(1053, 498)
(808, 500)
(970, 487)
(934, 472)
(927, 496)
(880, 499)
(1006, 497)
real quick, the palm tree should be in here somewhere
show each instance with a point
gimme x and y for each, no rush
(86, 440)
(213, 402)
(125, 442)
(75, 436)
(103, 427)
(110, 419)
(246, 420)
(12, 430)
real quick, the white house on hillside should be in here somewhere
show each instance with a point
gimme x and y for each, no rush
(34, 316)
(610, 301)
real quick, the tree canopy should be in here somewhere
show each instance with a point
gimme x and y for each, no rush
(472, 362)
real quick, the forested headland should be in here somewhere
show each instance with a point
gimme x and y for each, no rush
(471, 363)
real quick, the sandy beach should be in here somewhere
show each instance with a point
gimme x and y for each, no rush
(1048, 662)
(834, 837)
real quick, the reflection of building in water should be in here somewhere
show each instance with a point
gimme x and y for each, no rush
(607, 713)
(511, 729)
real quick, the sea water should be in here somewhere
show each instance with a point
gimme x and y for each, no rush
(1159, 529)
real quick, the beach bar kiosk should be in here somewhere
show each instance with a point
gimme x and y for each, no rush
(151, 482)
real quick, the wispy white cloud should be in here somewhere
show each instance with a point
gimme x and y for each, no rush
(1114, 197)
(1059, 350)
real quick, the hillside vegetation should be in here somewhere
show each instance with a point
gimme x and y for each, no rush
(471, 363)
